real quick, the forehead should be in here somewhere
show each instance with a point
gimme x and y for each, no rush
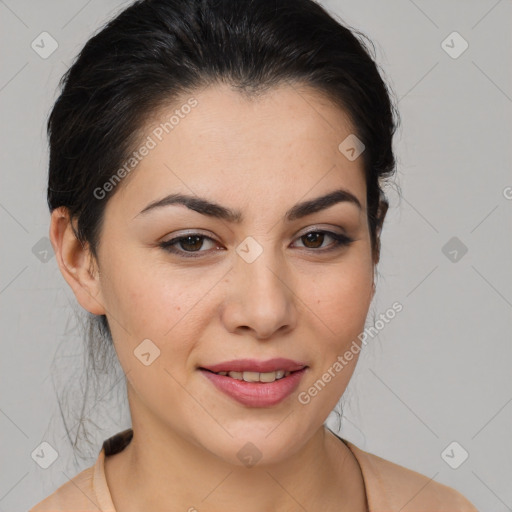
(219, 143)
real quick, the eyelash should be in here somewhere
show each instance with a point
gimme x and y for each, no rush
(168, 246)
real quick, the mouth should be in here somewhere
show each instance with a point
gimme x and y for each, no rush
(278, 364)
(254, 376)
(256, 383)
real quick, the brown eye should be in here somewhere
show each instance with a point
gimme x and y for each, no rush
(315, 239)
(187, 245)
(191, 243)
(192, 246)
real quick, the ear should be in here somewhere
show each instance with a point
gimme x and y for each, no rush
(381, 214)
(77, 265)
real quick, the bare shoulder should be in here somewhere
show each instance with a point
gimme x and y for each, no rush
(76, 494)
(391, 486)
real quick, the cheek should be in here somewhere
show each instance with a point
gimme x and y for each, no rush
(152, 314)
(150, 299)
(340, 305)
(341, 299)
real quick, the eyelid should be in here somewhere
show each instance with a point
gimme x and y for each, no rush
(189, 232)
(328, 228)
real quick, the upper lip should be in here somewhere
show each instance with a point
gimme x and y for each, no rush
(253, 365)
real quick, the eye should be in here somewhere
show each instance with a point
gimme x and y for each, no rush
(315, 239)
(187, 245)
(190, 245)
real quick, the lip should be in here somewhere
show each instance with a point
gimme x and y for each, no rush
(256, 394)
(253, 365)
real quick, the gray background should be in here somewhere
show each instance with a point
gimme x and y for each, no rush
(439, 372)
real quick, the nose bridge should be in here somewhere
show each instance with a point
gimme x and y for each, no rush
(261, 268)
(264, 297)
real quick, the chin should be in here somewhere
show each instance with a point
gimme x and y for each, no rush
(251, 446)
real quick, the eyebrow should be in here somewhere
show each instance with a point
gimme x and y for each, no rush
(211, 209)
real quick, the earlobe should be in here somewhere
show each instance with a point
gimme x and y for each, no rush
(76, 263)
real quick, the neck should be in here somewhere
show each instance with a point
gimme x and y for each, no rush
(160, 468)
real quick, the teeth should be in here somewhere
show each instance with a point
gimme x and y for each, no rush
(255, 376)
(251, 376)
(267, 377)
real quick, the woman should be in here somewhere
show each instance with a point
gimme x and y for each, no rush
(215, 184)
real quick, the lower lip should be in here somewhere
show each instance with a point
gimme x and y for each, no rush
(256, 394)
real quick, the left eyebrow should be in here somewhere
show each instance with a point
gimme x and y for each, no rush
(211, 209)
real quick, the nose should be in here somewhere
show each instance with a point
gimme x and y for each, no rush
(260, 298)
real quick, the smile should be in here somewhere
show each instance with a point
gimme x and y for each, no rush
(255, 376)
(256, 383)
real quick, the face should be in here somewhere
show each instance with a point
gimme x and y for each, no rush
(253, 284)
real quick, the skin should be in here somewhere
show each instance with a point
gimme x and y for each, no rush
(296, 300)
